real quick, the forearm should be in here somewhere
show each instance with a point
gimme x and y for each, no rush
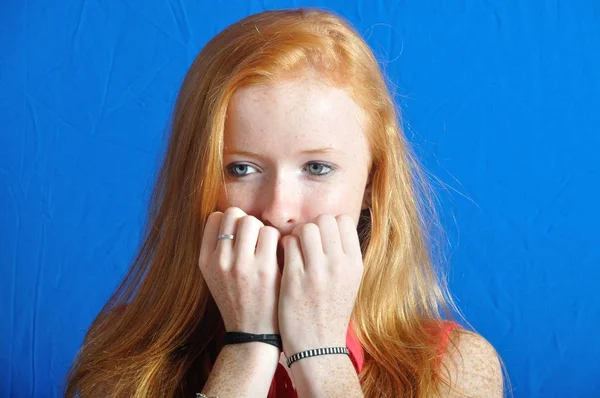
(243, 370)
(326, 376)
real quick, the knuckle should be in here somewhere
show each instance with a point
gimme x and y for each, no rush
(324, 219)
(251, 221)
(238, 265)
(344, 221)
(265, 273)
(214, 218)
(236, 273)
(240, 270)
(235, 212)
(269, 231)
(244, 222)
(309, 228)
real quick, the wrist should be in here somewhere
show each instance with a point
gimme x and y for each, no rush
(311, 374)
(334, 350)
(243, 370)
(243, 338)
(259, 360)
(255, 351)
(296, 346)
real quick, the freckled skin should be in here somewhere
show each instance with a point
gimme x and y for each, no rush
(278, 187)
(277, 122)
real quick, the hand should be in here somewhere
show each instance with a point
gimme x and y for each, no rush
(244, 281)
(322, 273)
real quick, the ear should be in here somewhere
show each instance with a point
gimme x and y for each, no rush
(367, 195)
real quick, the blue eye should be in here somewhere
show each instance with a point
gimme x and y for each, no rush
(238, 170)
(319, 168)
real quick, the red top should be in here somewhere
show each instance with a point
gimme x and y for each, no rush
(282, 387)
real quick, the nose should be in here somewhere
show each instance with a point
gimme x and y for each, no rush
(281, 206)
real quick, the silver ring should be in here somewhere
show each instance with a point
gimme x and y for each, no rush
(224, 236)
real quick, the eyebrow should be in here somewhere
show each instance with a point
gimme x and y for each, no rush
(303, 152)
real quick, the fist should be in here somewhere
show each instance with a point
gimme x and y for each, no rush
(320, 281)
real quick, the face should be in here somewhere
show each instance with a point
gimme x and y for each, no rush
(294, 150)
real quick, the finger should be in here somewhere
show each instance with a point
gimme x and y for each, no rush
(209, 236)
(330, 234)
(247, 236)
(268, 237)
(310, 242)
(294, 261)
(229, 226)
(266, 252)
(348, 235)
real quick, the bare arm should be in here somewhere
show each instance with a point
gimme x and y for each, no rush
(326, 376)
(243, 370)
(320, 281)
(243, 276)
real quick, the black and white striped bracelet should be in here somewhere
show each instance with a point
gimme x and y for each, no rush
(315, 352)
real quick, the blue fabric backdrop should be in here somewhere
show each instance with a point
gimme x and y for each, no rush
(500, 98)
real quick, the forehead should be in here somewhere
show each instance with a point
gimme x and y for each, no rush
(294, 115)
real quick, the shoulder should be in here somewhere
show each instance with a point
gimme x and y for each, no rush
(472, 365)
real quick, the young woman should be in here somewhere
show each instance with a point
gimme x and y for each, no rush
(288, 205)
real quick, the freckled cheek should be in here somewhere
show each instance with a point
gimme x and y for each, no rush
(235, 196)
(338, 200)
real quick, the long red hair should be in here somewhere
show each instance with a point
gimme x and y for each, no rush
(165, 337)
